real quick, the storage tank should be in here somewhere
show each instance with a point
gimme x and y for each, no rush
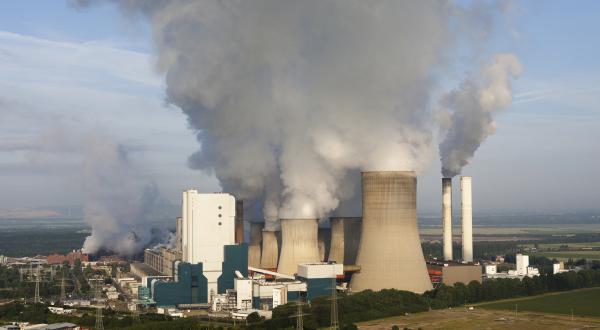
(254, 246)
(447, 217)
(345, 236)
(298, 244)
(270, 250)
(466, 214)
(390, 254)
(324, 239)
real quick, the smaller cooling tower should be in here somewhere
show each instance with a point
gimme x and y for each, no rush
(324, 238)
(270, 250)
(255, 242)
(298, 244)
(466, 212)
(447, 217)
(345, 237)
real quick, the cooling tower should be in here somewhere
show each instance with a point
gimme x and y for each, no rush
(254, 246)
(270, 250)
(466, 214)
(345, 236)
(447, 217)
(298, 244)
(324, 239)
(390, 254)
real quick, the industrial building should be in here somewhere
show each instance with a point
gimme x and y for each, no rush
(522, 269)
(450, 273)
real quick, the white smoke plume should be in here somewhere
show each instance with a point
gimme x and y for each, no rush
(117, 202)
(290, 96)
(473, 107)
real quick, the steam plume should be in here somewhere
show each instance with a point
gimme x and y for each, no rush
(474, 105)
(288, 97)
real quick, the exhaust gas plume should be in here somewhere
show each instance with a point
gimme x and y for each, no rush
(474, 105)
(287, 97)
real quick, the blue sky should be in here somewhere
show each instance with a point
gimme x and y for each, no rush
(93, 70)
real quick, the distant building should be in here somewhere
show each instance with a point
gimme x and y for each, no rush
(522, 269)
(522, 264)
(450, 273)
(57, 259)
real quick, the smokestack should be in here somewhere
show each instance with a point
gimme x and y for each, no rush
(299, 244)
(178, 234)
(390, 254)
(239, 221)
(447, 217)
(466, 214)
(254, 246)
(324, 243)
(270, 250)
(345, 236)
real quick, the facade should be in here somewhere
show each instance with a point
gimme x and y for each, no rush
(178, 234)
(320, 278)
(208, 225)
(243, 289)
(190, 286)
(522, 264)
(239, 221)
(390, 254)
(235, 260)
(461, 274)
(57, 259)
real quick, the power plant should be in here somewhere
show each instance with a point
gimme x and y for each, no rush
(208, 265)
(299, 244)
(447, 217)
(390, 254)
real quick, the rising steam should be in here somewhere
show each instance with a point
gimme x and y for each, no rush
(288, 97)
(473, 107)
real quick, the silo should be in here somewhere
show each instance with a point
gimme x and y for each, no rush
(324, 239)
(270, 250)
(390, 254)
(466, 214)
(447, 217)
(255, 242)
(345, 236)
(298, 244)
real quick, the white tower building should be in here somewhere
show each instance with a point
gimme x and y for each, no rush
(522, 264)
(208, 224)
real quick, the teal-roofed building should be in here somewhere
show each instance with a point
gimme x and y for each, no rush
(235, 259)
(190, 286)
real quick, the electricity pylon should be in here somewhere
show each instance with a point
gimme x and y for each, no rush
(98, 294)
(335, 325)
(36, 298)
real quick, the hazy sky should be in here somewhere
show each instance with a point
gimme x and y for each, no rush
(66, 73)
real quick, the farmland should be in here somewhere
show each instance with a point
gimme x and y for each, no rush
(582, 302)
(565, 255)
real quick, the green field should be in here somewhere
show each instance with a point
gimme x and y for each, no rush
(584, 302)
(556, 246)
(565, 255)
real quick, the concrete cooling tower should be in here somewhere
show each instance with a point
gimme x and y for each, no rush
(466, 214)
(255, 242)
(270, 250)
(324, 239)
(345, 236)
(298, 244)
(447, 217)
(390, 254)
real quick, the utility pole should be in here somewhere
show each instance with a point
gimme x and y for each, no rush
(334, 308)
(63, 295)
(98, 294)
(299, 319)
(516, 311)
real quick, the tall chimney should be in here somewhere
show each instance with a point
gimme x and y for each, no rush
(239, 221)
(447, 217)
(466, 214)
(299, 244)
(270, 250)
(390, 254)
(345, 236)
(254, 246)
